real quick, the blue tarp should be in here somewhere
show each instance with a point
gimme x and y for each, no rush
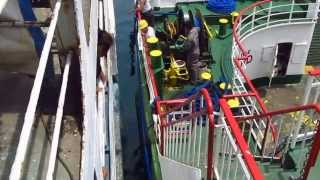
(222, 6)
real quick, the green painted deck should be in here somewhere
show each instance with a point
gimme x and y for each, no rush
(221, 68)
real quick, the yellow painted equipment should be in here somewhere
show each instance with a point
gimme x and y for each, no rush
(143, 24)
(177, 71)
(153, 43)
(234, 15)
(206, 76)
(223, 26)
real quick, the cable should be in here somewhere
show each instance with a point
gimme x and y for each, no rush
(60, 159)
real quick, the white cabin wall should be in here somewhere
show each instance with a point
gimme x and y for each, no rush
(299, 34)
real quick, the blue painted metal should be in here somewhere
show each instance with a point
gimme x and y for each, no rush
(36, 33)
(222, 6)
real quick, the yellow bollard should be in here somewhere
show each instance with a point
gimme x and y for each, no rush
(234, 15)
(223, 26)
(205, 76)
(153, 43)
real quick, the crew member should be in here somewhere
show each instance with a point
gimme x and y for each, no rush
(146, 30)
(105, 41)
(145, 7)
(193, 63)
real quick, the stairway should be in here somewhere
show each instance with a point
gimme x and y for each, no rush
(314, 53)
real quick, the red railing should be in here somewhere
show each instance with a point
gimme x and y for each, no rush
(241, 142)
(316, 139)
(244, 52)
(149, 71)
(246, 57)
(164, 108)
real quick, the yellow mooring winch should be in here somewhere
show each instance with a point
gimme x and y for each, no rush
(177, 71)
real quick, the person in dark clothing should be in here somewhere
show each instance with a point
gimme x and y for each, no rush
(105, 41)
(193, 63)
(145, 8)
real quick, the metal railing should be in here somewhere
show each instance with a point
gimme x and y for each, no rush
(233, 157)
(270, 15)
(266, 14)
(306, 141)
(19, 161)
(186, 130)
(261, 15)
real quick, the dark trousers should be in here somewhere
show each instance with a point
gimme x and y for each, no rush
(149, 17)
(193, 65)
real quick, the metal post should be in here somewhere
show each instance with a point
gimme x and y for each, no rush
(59, 114)
(304, 102)
(291, 11)
(253, 18)
(17, 167)
(313, 154)
(269, 13)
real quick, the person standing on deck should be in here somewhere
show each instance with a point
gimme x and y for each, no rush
(145, 7)
(193, 63)
(146, 30)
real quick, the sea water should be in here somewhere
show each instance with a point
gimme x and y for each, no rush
(133, 164)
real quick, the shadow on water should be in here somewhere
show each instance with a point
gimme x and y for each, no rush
(128, 83)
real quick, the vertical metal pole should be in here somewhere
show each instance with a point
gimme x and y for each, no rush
(269, 13)
(253, 18)
(17, 167)
(304, 102)
(313, 154)
(291, 11)
(58, 122)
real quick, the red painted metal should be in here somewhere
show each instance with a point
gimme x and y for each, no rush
(210, 109)
(173, 101)
(314, 72)
(316, 143)
(245, 54)
(179, 103)
(315, 107)
(259, 100)
(313, 155)
(241, 142)
(230, 96)
(150, 71)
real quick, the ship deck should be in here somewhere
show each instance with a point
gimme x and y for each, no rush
(220, 50)
(219, 47)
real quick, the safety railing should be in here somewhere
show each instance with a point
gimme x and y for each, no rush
(152, 85)
(306, 141)
(232, 156)
(19, 160)
(186, 130)
(265, 14)
(270, 14)
(250, 103)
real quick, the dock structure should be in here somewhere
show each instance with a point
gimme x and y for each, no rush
(59, 54)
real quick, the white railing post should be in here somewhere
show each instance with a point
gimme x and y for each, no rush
(17, 167)
(291, 11)
(269, 13)
(58, 121)
(301, 114)
(253, 18)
